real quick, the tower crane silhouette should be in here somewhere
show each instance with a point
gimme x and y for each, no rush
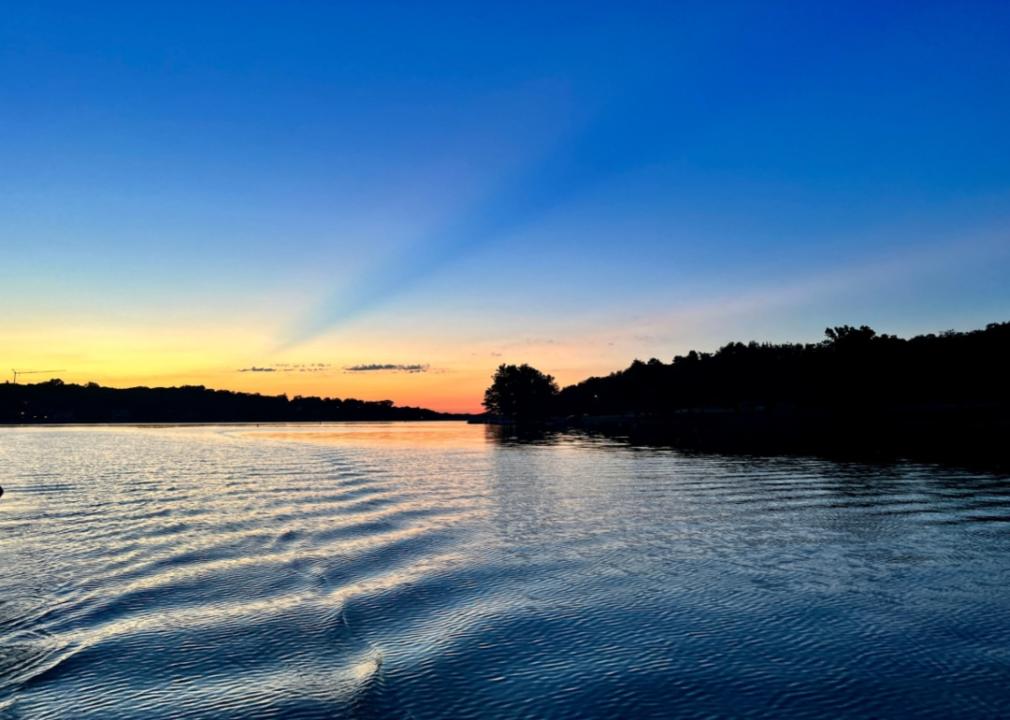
(31, 372)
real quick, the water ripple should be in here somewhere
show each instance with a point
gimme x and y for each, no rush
(432, 571)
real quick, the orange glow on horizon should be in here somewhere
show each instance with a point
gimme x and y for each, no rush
(453, 372)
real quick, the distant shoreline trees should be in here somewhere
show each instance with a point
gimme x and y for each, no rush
(58, 402)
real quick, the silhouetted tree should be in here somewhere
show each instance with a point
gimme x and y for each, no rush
(521, 393)
(848, 335)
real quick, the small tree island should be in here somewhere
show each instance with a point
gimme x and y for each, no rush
(521, 394)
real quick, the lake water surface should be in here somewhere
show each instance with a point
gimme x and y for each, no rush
(433, 570)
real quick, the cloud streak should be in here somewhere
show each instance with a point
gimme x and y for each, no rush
(286, 368)
(387, 367)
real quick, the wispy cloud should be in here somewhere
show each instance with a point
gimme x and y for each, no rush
(908, 267)
(387, 367)
(287, 367)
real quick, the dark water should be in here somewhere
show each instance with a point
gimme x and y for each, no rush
(416, 571)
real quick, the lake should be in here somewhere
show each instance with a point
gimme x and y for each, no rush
(437, 570)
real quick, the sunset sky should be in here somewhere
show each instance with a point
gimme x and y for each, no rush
(387, 201)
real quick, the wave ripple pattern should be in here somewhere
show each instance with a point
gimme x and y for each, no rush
(435, 570)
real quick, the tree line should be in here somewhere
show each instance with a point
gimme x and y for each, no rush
(852, 369)
(55, 401)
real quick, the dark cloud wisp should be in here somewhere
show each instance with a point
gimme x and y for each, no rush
(387, 367)
(287, 367)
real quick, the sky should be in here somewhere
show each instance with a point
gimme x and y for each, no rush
(385, 200)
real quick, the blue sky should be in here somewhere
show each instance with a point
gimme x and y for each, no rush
(449, 184)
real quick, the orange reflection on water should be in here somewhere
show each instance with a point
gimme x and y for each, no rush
(433, 434)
